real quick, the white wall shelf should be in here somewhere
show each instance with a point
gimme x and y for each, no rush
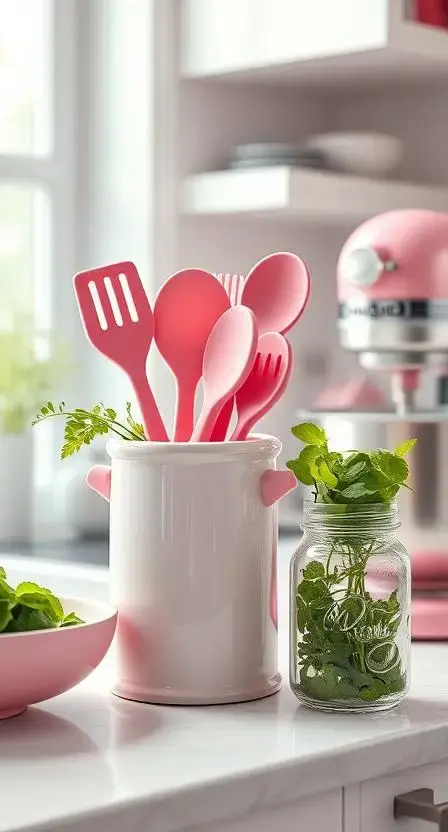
(309, 42)
(320, 196)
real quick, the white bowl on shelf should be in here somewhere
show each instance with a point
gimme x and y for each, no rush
(365, 154)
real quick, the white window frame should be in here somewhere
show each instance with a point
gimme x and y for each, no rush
(54, 237)
(54, 173)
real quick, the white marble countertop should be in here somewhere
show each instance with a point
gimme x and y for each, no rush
(88, 761)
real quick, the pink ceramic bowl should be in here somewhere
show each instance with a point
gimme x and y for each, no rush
(41, 664)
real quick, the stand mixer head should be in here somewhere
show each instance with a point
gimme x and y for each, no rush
(393, 297)
(393, 311)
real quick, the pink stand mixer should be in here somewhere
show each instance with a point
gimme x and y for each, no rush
(393, 312)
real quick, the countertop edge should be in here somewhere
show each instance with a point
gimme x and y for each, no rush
(262, 789)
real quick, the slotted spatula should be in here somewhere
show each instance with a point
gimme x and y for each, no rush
(118, 322)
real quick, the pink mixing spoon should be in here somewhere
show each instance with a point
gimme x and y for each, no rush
(277, 289)
(265, 383)
(118, 322)
(187, 308)
(228, 359)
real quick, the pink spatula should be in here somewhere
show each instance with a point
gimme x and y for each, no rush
(265, 383)
(186, 309)
(228, 359)
(277, 290)
(118, 322)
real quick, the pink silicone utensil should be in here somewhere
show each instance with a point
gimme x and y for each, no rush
(233, 285)
(118, 322)
(186, 309)
(265, 383)
(228, 359)
(277, 290)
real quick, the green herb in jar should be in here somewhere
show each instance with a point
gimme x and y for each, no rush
(347, 637)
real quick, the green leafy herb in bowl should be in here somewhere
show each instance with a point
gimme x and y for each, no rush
(31, 607)
(350, 577)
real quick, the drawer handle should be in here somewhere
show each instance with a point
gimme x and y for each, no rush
(420, 804)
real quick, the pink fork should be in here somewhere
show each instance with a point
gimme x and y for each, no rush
(233, 286)
(118, 322)
(265, 384)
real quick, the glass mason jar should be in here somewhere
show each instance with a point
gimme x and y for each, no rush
(350, 609)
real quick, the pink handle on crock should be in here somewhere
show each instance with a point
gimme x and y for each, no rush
(98, 479)
(275, 485)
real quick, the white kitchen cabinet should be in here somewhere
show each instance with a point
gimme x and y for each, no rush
(303, 41)
(322, 813)
(377, 798)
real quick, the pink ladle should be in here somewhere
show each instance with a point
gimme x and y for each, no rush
(228, 359)
(186, 309)
(277, 290)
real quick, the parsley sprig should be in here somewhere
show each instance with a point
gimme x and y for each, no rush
(82, 426)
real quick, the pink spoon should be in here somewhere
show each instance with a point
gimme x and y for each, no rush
(186, 309)
(228, 359)
(265, 383)
(118, 322)
(277, 290)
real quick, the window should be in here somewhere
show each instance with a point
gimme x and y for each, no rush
(36, 175)
(76, 158)
(26, 152)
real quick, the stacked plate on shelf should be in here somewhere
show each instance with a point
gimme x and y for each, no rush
(272, 154)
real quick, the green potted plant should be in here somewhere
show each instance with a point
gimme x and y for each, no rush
(28, 371)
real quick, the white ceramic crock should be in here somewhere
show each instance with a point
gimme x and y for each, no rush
(193, 542)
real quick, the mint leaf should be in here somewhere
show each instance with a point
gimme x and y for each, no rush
(395, 468)
(404, 447)
(301, 471)
(375, 691)
(5, 614)
(327, 476)
(310, 434)
(356, 490)
(314, 569)
(26, 619)
(39, 598)
(353, 472)
(30, 607)
(6, 592)
(71, 619)
(301, 467)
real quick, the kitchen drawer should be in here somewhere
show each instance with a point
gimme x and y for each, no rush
(321, 813)
(377, 798)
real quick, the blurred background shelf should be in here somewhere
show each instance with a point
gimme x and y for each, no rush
(319, 196)
(349, 42)
(318, 43)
